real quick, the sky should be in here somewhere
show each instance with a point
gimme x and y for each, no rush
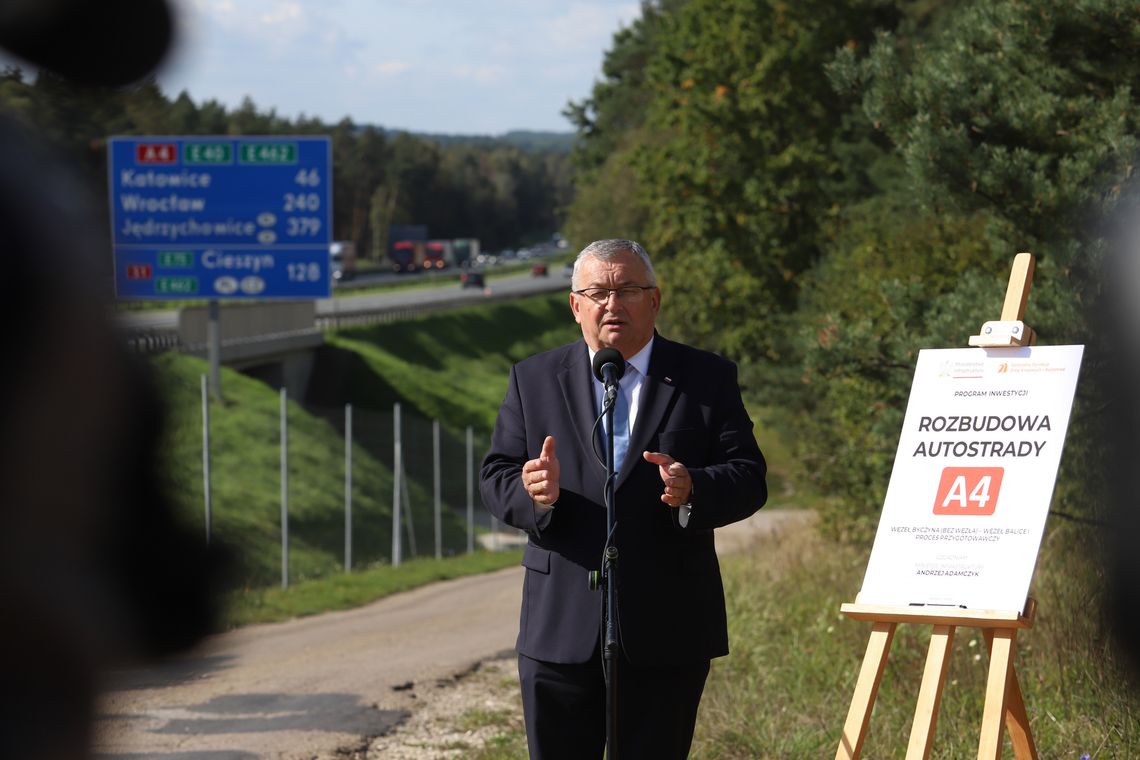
(445, 66)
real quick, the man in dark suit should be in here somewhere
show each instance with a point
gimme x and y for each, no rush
(692, 465)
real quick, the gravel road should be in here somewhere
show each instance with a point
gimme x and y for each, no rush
(324, 686)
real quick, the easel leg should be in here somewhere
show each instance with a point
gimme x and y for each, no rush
(997, 686)
(930, 693)
(1016, 719)
(866, 689)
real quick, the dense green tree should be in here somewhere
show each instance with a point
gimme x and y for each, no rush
(617, 104)
(1025, 109)
(744, 177)
(1021, 115)
(611, 124)
(829, 187)
(895, 277)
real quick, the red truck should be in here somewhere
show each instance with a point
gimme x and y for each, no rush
(436, 253)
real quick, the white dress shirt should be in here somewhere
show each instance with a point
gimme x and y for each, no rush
(631, 382)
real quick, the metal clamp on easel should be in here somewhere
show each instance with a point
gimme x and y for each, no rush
(1004, 334)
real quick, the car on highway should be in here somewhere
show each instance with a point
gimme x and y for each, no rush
(539, 270)
(472, 280)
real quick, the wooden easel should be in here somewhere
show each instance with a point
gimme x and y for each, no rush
(1003, 694)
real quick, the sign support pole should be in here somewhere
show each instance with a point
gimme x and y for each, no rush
(214, 347)
(1003, 702)
(206, 482)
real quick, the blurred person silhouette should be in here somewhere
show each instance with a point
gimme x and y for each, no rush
(96, 571)
(1119, 324)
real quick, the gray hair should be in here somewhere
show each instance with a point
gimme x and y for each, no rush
(610, 249)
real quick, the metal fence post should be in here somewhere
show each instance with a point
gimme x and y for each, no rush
(284, 490)
(435, 484)
(206, 452)
(407, 516)
(348, 488)
(397, 476)
(470, 491)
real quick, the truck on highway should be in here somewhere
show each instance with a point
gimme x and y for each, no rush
(464, 251)
(436, 254)
(406, 246)
(407, 255)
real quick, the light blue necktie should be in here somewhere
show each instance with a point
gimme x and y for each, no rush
(621, 424)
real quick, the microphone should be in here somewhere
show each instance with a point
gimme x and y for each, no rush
(609, 366)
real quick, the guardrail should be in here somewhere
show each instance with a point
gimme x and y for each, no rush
(341, 314)
(343, 318)
(152, 341)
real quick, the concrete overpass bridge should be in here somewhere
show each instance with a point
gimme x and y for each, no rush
(277, 340)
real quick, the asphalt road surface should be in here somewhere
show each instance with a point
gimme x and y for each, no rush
(319, 687)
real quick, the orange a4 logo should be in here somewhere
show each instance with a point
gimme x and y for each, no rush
(968, 491)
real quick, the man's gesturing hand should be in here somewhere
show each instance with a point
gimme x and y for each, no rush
(675, 476)
(540, 476)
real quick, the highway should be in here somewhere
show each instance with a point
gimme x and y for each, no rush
(427, 299)
(516, 286)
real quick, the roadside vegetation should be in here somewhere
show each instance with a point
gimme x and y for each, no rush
(343, 591)
(784, 691)
(451, 367)
(828, 188)
(246, 484)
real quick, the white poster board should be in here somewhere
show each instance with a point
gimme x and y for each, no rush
(973, 477)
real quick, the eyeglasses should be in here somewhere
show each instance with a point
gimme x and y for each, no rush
(626, 294)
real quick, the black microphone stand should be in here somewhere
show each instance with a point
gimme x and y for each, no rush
(610, 643)
(608, 367)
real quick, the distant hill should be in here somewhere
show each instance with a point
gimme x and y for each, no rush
(527, 140)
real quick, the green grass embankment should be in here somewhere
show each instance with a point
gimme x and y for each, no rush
(452, 367)
(245, 474)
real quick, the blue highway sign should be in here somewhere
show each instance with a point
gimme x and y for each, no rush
(221, 217)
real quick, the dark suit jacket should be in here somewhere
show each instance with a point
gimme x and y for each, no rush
(671, 602)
